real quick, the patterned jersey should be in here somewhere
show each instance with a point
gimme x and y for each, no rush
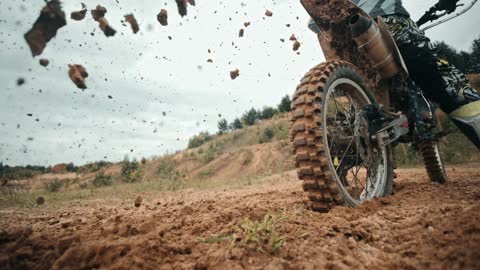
(382, 7)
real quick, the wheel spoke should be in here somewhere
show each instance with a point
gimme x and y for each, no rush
(356, 170)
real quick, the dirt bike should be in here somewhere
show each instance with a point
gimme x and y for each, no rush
(344, 125)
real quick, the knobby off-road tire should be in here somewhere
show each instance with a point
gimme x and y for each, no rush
(433, 162)
(309, 138)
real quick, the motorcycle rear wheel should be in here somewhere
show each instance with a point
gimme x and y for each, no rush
(336, 165)
(433, 162)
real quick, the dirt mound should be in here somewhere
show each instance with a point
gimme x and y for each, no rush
(423, 225)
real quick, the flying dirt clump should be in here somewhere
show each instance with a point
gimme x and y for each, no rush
(234, 74)
(77, 74)
(138, 201)
(133, 22)
(293, 38)
(79, 15)
(40, 200)
(98, 15)
(162, 17)
(45, 27)
(268, 13)
(246, 24)
(182, 7)
(20, 81)
(296, 45)
(241, 32)
(44, 62)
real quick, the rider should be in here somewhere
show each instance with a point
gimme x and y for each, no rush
(441, 82)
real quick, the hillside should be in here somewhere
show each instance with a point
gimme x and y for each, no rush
(240, 157)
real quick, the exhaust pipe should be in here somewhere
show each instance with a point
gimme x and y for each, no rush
(369, 39)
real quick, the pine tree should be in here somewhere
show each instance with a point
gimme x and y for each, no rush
(474, 63)
(267, 113)
(222, 126)
(236, 124)
(285, 104)
(250, 117)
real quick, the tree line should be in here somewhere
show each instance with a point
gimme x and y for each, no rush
(466, 62)
(248, 118)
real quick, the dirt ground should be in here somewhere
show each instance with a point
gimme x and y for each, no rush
(422, 226)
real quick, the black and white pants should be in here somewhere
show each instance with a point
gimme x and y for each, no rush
(441, 82)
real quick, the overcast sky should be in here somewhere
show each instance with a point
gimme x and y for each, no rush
(163, 91)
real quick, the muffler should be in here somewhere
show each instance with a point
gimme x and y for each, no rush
(370, 40)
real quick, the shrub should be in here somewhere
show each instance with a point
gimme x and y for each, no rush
(131, 171)
(282, 133)
(102, 179)
(267, 136)
(167, 170)
(170, 176)
(209, 154)
(54, 186)
(71, 167)
(199, 139)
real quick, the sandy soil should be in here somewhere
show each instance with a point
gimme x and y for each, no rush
(423, 225)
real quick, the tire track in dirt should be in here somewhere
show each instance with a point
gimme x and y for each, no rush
(423, 225)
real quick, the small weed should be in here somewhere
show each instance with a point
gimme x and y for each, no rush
(282, 133)
(83, 185)
(261, 235)
(217, 238)
(248, 159)
(206, 173)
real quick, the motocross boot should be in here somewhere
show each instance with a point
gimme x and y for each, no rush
(467, 119)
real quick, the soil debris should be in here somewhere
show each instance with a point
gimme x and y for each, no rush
(133, 22)
(241, 32)
(98, 12)
(191, 2)
(98, 15)
(296, 45)
(182, 7)
(20, 81)
(162, 17)
(138, 201)
(293, 37)
(44, 62)
(45, 27)
(246, 24)
(77, 74)
(268, 13)
(234, 74)
(40, 200)
(79, 15)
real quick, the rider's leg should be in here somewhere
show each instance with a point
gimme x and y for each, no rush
(439, 81)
